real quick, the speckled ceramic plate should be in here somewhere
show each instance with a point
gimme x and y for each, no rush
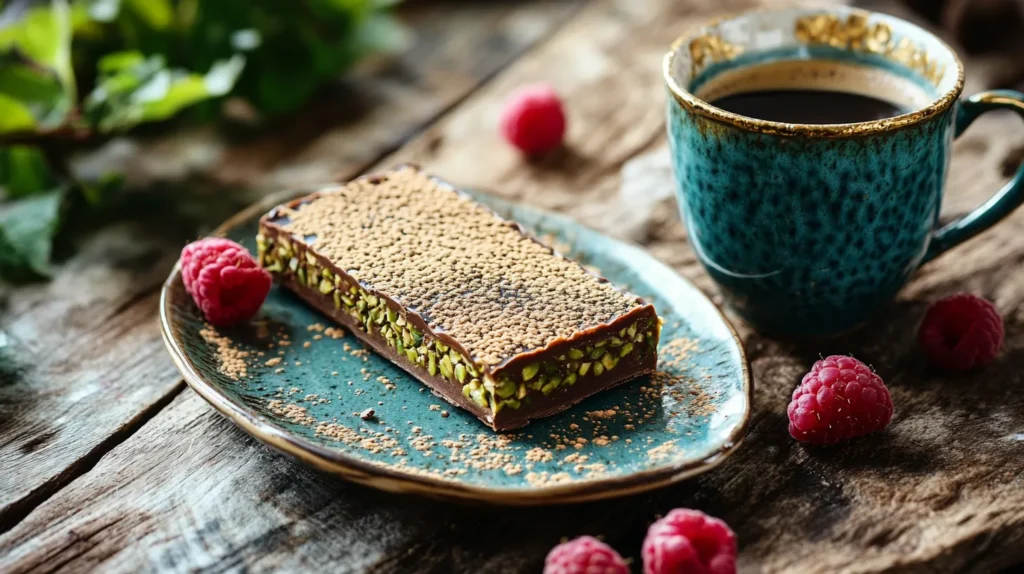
(286, 380)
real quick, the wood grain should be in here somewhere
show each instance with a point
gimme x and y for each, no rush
(941, 491)
(81, 361)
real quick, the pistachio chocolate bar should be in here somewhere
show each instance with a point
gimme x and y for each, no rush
(467, 302)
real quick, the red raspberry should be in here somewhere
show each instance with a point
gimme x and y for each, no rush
(840, 398)
(584, 555)
(689, 541)
(224, 280)
(533, 120)
(961, 332)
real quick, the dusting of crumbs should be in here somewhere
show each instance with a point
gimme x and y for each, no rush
(232, 360)
(514, 293)
(572, 454)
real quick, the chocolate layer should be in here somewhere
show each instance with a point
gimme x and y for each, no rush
(505, 390)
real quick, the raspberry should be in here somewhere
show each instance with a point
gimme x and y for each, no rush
(533, 120)
(224, 280)
(840, 398)
(584, 555)
(961, 332)
(689, 541)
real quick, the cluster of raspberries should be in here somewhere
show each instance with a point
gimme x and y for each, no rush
(842, 398)
(684, 541)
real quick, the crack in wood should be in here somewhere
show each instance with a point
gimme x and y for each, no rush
(16, 511)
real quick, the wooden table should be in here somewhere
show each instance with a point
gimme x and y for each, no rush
(108, 462)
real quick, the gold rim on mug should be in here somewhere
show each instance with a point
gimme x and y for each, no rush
(702, 108)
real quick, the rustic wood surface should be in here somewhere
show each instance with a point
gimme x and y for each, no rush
(108, 464)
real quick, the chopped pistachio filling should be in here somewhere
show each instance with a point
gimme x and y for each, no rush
(279, 255)
(374, 315)
(590, 360)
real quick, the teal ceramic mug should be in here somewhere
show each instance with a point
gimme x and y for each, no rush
(809, 229)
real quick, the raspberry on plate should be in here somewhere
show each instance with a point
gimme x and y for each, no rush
(961, 332)
(533, 120)
(584, 555)
(689, 541)
(840, 398)
(224, 280)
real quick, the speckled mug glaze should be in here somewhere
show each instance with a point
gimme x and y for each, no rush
(810, 229)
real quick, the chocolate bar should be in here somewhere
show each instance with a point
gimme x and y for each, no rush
(489, 318)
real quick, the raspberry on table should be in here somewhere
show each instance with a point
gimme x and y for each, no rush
(533, 120)
(689, 541)
(840, 398)
(961, 332)
(224, 280)
(584, 555)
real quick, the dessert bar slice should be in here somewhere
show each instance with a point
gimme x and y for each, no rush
(467, 302)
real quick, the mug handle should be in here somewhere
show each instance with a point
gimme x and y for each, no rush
(999, 205)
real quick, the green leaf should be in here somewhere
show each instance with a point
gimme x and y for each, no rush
(120, 61)
(27, 228)
(157, 14)
(37, 91)
(222, 75)
(23, 171)
(133, 89)
(43, 35)
(165, 95)
(15, 116)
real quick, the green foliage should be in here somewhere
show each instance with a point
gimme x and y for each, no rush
(145, 61)
(27, 226)
(30, 98)
(133, 89)
(23, 171)
(37, 84)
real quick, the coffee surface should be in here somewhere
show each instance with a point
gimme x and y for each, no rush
(808, 106)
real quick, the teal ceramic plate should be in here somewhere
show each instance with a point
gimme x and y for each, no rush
(286, 380)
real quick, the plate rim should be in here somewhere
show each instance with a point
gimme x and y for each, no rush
(387, 479)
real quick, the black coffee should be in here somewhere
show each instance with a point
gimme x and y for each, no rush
(809, 107)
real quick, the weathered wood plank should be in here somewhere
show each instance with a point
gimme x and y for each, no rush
(941, 490)
(125, 528)
(83, 364)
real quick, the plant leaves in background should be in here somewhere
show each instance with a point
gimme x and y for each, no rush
(42, 32)
(23, 171)
(27, 227)
(37, 87)
(31, 98)
(15, 116)
(143, 61)
(299, 49)
(134, 89)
